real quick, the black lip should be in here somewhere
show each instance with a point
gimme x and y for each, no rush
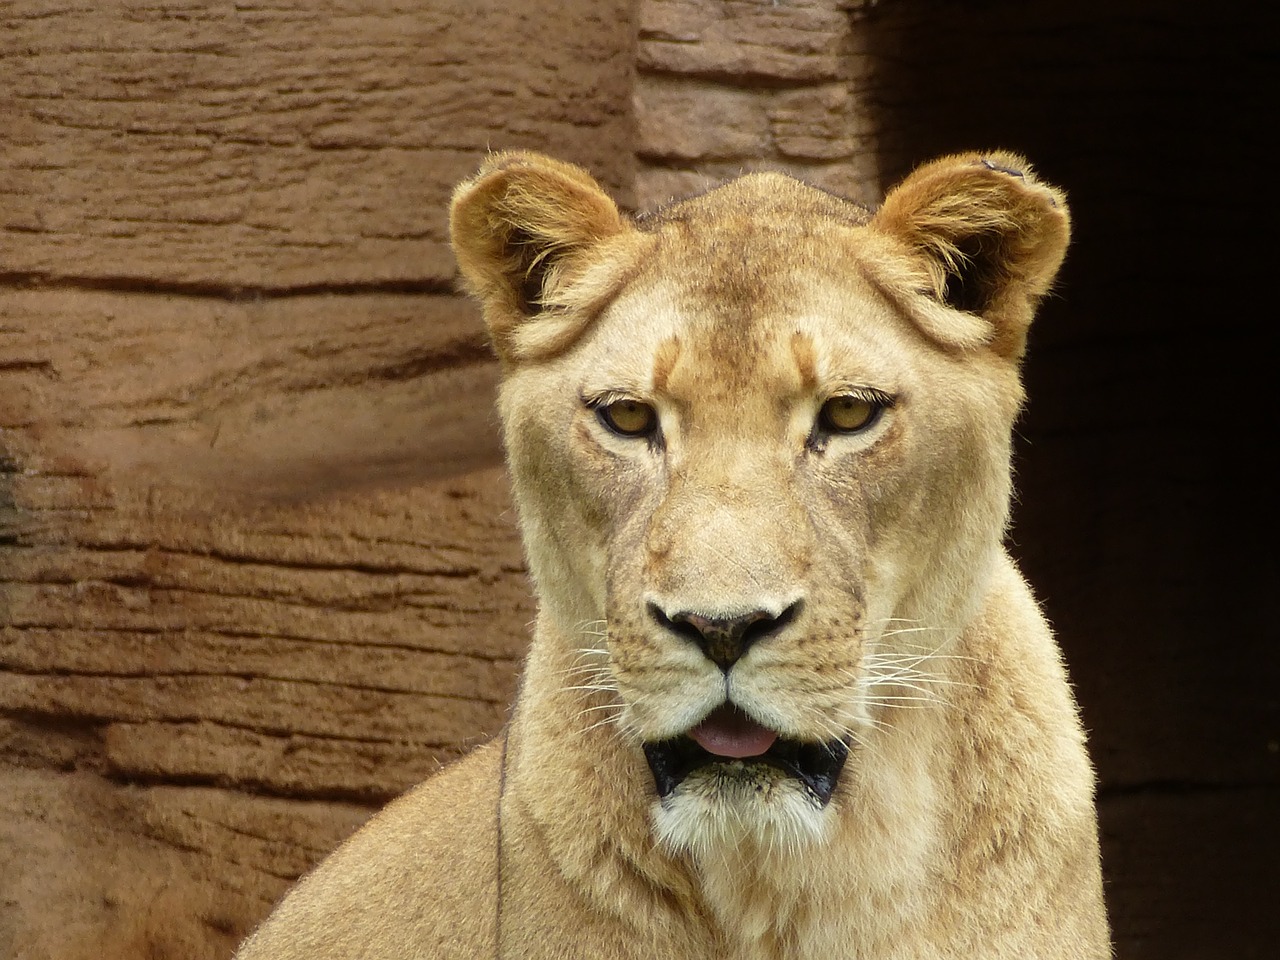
(816, 765)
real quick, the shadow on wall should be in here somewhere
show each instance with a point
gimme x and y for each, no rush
(1135, 479)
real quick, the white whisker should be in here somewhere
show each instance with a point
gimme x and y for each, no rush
(901, 703)
(598, 707)
(599, 723)
(905, 630)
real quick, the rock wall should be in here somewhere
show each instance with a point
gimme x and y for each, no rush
(724, 87)
(258, 566)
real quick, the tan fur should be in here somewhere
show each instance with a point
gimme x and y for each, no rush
(963, 823)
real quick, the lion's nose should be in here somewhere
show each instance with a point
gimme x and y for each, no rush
(724, 640)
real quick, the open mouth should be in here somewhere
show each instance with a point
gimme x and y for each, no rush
(728, 735)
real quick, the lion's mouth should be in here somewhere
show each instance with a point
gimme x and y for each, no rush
(728, 735)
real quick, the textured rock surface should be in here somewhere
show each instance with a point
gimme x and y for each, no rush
(267, 145)
(726, 87)
(798, 42)
(259, 570)
(291, 618)
(92, 870)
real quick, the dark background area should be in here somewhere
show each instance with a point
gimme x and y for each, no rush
(1144, 457)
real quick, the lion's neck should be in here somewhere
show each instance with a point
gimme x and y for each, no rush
(853, 894)
(590, 792)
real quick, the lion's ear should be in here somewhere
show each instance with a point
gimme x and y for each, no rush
(989, 235)
(521, 229)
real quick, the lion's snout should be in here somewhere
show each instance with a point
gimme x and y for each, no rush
(724, 639)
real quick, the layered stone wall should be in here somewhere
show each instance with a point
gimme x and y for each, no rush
(258, 565)
(726, 87)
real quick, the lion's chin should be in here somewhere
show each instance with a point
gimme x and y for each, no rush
(729, 782)
(739, 805)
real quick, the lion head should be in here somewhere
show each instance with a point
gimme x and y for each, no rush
(760, 444)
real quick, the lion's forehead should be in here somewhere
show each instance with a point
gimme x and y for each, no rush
(693, 330)
(749, 265)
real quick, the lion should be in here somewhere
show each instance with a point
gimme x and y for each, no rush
(787, 695)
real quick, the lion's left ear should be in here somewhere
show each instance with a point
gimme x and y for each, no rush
(522, 228)
(989, 235)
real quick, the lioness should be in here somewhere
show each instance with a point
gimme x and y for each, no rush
(787, 697)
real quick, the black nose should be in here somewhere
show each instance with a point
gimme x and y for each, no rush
(724, 641)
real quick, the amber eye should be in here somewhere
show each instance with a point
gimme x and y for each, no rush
(849, 413)
(628, 418)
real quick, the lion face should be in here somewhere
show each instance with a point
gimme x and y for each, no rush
(761, 458)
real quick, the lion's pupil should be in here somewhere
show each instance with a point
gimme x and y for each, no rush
(848, 413)
(630, 416)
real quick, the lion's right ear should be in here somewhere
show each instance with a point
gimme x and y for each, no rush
(989, 235)
(522, 228)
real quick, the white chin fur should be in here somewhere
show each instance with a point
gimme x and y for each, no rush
(731, 806)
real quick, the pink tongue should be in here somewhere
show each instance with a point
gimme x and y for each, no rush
(728, 732)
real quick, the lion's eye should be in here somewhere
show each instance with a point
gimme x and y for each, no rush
(628, 418)
(849, 413)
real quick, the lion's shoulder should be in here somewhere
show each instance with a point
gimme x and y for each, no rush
(423, 871)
